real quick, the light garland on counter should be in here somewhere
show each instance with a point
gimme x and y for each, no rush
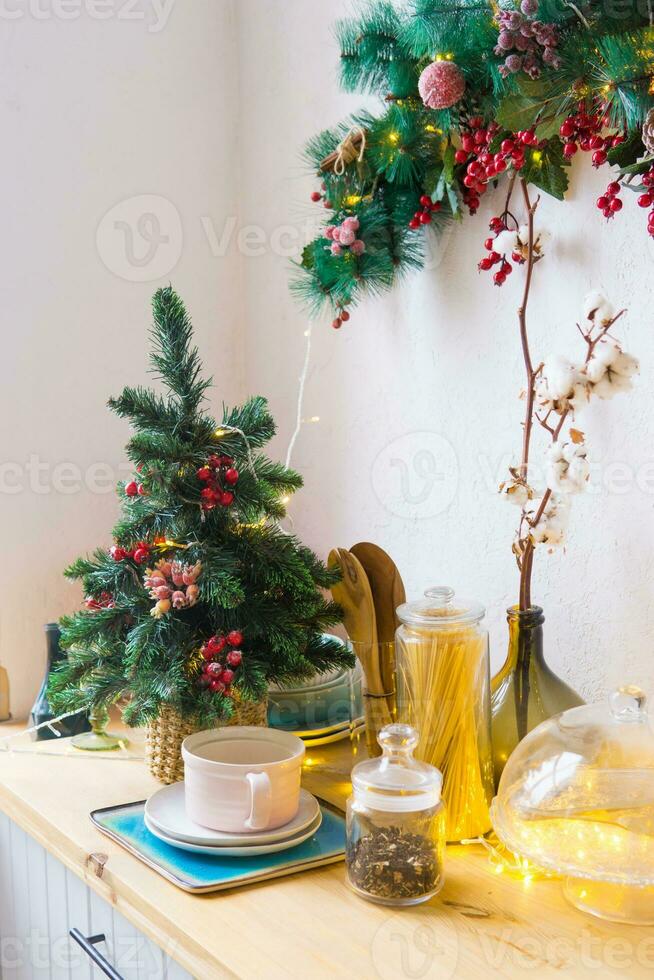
(6, 742)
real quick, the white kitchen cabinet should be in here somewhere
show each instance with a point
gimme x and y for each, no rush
(41, 900)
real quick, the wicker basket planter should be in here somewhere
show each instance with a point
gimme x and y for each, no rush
(163, 744)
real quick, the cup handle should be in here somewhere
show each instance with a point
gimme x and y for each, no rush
(261, 790)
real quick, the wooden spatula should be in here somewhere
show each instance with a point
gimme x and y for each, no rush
(388, 593)
(386, 585)
(354, 596)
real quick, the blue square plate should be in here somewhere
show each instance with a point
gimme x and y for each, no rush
(204, 873)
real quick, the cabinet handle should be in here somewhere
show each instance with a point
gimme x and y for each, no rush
(88, 944)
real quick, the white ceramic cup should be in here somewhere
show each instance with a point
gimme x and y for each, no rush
(242, 779)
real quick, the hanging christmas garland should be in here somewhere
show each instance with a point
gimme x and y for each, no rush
(474, 93)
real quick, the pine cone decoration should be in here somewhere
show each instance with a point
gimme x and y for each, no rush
(648, 131)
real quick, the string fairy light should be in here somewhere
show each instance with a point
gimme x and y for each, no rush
(300, 397)
(504, 861)
(7, 742)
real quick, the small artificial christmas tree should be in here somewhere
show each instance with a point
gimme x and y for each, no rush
(203, 598)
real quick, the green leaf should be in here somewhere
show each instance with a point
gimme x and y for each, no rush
(628, 152)
(308, 258)
(533, 105)
(638, 168)
(453, 198)
(550, 127)
(439, 191)
(448, 163)
(546, 169)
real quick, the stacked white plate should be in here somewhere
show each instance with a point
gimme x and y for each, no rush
(325, 709)
(165, 817)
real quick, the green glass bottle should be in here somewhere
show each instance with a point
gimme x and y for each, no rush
(525, 692)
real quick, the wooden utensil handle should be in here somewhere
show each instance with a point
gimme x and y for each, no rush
(378, 713)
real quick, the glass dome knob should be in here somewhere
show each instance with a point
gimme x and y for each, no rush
(443, 594)
(398, 741)
(628, 704)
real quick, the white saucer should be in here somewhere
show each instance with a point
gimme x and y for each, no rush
(167, 811)
(252, 850)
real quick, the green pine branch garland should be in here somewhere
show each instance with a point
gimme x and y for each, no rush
(409, 148)
(255, 578)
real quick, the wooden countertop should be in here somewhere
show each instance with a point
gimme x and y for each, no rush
(311, 926)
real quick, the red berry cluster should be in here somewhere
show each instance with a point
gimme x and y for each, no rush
(321, 195)
(343, 317)
(140, 553)
(216, 676)
(497, 226)
(104, 601)
(581, 131)
(484, 165)
(646, 200)
(134, 489)
(219, 475)
(609, 203)
(424, 215)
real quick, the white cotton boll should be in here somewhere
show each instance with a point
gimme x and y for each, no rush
(506, 242)
(610, 370)
(597, 308)
(557, 383)
(605, 353)
(516, 493)
(567, 467)
(625, 365)
(560, 375)
(553, 525)
(523, 234)
(611, 385)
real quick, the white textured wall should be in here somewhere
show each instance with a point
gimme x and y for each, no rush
(196, 113)
(95, 114)
(441, 356)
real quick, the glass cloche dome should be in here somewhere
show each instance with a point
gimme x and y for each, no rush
(577, 798)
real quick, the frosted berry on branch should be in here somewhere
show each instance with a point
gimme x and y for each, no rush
(441, 85)
(526, 45)
(104, 601)
(343, 237)
(172, 584)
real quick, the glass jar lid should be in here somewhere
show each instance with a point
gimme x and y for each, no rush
(396, 782)
(441, 609)
(577, 795)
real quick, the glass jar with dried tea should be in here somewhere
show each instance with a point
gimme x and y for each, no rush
(396, 824)
(443, 690)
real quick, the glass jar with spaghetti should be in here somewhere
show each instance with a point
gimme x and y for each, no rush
(443, 690)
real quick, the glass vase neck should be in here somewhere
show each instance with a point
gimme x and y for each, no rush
(525, 618)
